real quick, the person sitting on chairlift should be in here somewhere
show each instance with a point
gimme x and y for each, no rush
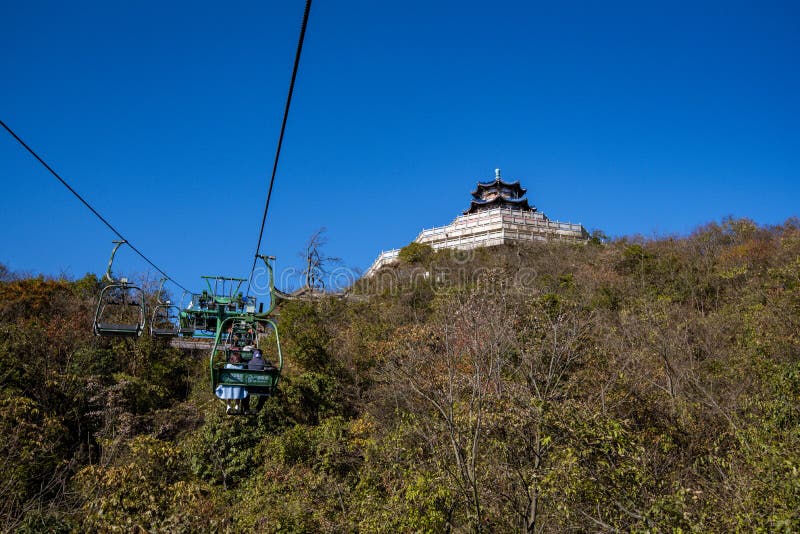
(235, 361)
(257, 362)
(235, 397)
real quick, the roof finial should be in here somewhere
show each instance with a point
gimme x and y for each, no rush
(497, 174)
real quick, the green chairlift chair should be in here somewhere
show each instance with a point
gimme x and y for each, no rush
(234, 377)
(120, 307)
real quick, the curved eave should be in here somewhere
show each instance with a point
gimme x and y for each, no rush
(513, 203)
(482, 186)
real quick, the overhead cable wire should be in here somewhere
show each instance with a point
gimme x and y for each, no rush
(85, 203)
(280, 139)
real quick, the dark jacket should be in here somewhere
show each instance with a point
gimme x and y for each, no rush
(256, 363)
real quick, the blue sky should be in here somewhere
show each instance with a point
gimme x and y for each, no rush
(636, 117)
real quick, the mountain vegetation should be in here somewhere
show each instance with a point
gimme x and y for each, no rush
(642, 385)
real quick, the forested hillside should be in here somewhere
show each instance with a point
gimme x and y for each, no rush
(636, 385)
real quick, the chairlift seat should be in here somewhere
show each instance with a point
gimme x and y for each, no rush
(255, 382)
(163, 332)
(112, 329)
(116, 296)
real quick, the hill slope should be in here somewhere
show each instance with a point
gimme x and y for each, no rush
(637, 385)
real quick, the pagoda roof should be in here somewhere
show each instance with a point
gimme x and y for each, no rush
(498, 202)
(498, 183)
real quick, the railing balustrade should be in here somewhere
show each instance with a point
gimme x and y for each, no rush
(488, 228)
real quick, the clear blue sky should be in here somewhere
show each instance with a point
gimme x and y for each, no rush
(637, 117)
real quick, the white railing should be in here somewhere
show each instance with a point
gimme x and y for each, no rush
(489, 228)
(384, 258)
(499, 216)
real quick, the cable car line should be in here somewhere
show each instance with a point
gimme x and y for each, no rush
(85, 203)
(239, 369)
(280, 139)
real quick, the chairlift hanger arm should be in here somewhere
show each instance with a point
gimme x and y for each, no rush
(160, 291)
(271, 280)
(117, 243)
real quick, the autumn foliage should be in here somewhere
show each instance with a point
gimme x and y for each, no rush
(643, 385)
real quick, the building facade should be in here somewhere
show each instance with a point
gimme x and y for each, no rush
(499, 213)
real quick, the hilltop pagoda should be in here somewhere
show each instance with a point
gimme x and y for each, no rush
(498, 194)
(498, 214)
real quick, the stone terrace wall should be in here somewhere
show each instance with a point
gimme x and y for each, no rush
(490, 228)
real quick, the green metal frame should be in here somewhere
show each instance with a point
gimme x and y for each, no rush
(166, 306)
(220, 305)
(256, 382)
(217, 279)
(113, 329)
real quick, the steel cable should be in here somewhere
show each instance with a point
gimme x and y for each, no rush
(85, 203)
(280, 140)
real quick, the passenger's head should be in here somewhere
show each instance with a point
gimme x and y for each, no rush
(257, 353)
(235, 358)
